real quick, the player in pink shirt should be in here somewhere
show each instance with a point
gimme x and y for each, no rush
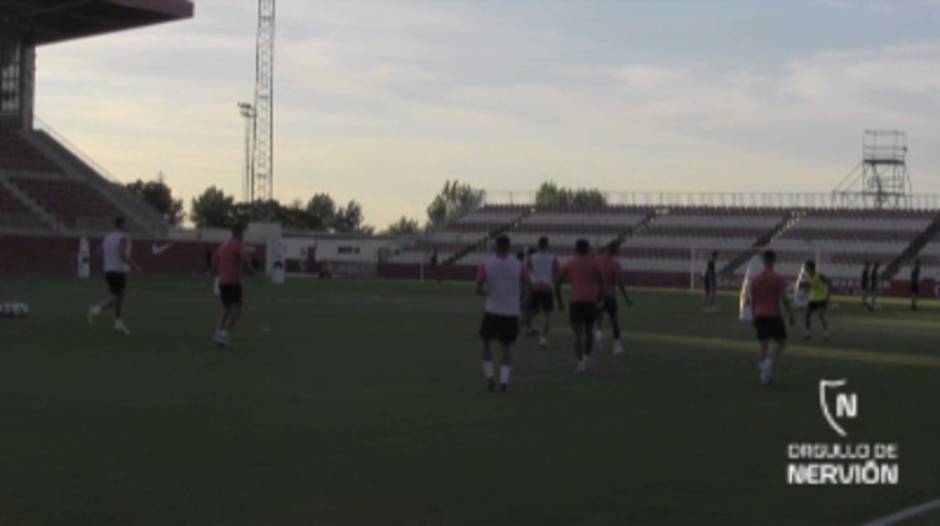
(585, 278)
(768, 293)
(612, 281)
(227, 263)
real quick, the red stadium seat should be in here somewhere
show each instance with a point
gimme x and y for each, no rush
(16, 153)
(73, 203)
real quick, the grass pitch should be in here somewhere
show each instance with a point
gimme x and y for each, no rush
(362, 402)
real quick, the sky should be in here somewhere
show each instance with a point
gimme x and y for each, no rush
(382, 101)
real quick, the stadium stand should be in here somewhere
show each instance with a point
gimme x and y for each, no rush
(61, 192)
(843, 240)
(564, 227)
(48, 186)
(669, 245)
(680, 238)
(461, 238)
(918, 249)
(16, 153)
(929, 256)
(14, 213)
(73, 162)
(74, 204)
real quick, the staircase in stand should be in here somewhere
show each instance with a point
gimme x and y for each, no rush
(78, 165)
(790, 218)
(640, 227)
(44, 216)
(912, 249)
(481, 243)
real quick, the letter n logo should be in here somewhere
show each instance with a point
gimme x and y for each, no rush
(846, 404)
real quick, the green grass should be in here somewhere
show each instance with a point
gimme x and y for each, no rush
(362, 403)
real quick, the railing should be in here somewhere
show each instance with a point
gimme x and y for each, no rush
(730, 199)
(112, 184)
(41, 125)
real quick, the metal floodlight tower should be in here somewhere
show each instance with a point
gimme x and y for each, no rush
(881, 180)
(247, 111)
(263, 150)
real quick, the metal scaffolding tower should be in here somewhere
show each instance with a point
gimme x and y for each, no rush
(262, 184)
(881, 180)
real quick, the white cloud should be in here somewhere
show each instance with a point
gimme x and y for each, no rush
(383, 102)
(643, 76)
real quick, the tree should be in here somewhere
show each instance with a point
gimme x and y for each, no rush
(403, 227)
(588, 198)
(213, 209)
(158, 195)
(320, 212)
(294, 216)
(348, 219)
(550, 195)
(259, 211)
(453, 201)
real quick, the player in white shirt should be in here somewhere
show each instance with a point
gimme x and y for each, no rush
(116, 249)
(500, 279)
(543, 269)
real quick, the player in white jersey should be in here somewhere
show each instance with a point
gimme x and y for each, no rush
(500, 279)
(543, 271)
(116, 249)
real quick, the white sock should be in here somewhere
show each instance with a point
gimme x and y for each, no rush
(488, 370)
(765, 364)
(504, 374)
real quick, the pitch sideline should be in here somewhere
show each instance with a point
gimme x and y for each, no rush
(905, 514)
(794, 350)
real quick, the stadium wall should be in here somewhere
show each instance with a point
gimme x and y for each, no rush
(59, 255)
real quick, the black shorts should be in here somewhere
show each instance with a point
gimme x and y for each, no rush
(541, 300)
(502, 328)
(117, 282)
(583, 312)
(609, 305)
(817, 306)
(915, 288)
(770, 329)
(230, 293)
